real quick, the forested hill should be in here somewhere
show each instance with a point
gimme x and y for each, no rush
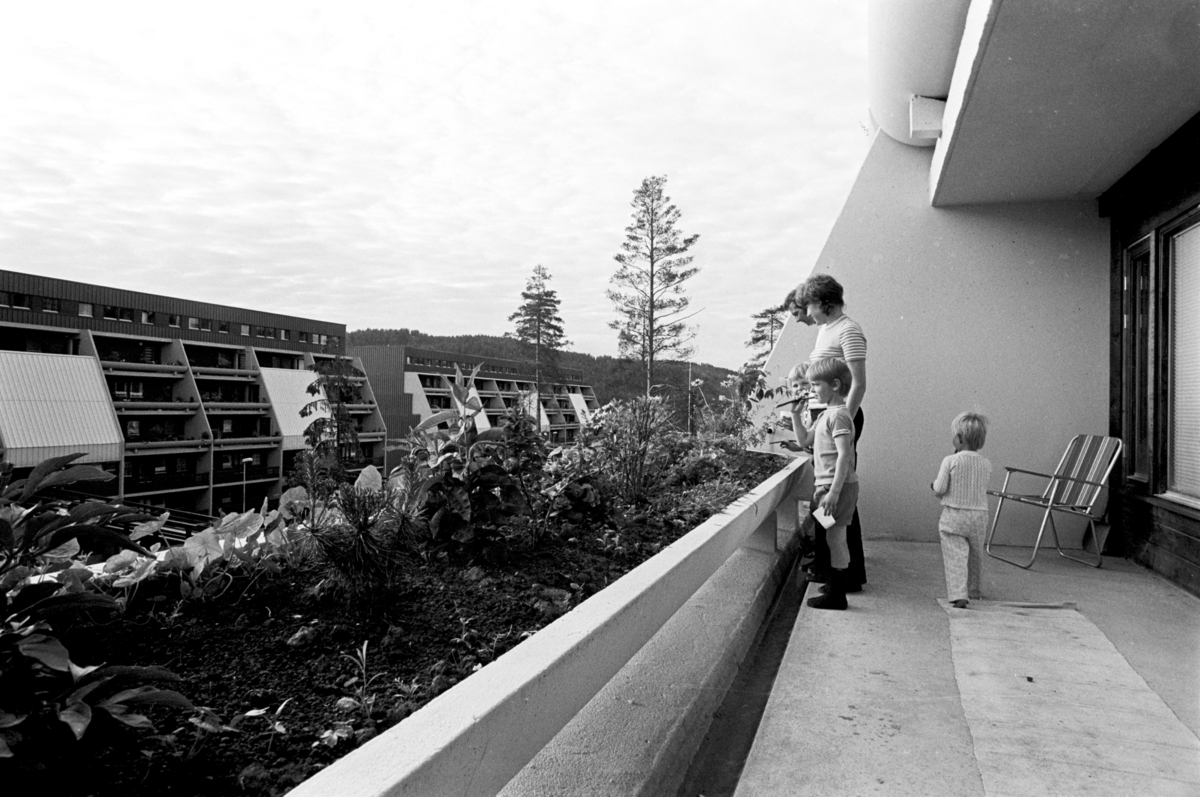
(609, 377)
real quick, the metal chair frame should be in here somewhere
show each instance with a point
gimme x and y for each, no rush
(1060, 486)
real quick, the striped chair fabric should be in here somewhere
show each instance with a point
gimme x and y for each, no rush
(1088, 457)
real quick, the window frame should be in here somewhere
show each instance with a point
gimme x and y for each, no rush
(1147, 358)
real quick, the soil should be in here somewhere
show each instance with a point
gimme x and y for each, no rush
(285, 644)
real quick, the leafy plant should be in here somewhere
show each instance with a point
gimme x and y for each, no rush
(363, 681)
(34, 527)
(629, 441)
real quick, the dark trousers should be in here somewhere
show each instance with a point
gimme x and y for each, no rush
(857, 572)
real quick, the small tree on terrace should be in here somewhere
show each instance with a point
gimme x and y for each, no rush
(654, 265)
(538, 324)
(764, 333)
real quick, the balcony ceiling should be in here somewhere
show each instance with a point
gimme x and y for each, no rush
(1057, 100)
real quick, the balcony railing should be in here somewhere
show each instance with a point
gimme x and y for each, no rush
(166, 443)
(143, 369)
(132, 405)
(234, 475)
(236, 406)
(252, 440)
(164, 481)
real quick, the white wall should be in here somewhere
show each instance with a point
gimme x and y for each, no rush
(1002, 309)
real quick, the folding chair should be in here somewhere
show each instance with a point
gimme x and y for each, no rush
(1075, 487)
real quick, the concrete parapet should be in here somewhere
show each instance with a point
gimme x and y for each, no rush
(711, 589)
(639, 734)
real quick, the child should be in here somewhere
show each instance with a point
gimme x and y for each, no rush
(962, 485)
(793, 411)
(832, 439)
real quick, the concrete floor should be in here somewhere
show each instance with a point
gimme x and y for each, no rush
(867, 700)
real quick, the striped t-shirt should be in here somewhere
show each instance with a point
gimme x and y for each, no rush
(963, 479)
(842, 339)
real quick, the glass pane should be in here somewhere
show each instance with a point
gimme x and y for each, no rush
(1184, 465)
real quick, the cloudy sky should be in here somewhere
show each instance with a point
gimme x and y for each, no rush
(403, 164)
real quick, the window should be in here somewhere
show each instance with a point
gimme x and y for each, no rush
(264, 332)
(303, 337)
(1160, 368)
(1182, 251)
(4, 300)
(125, 315)
(133, 430)
(206, 325)
(227, 426)
(173, 320)
(147, 317)
(160, 468)
(19, 301)
(222, 327)
(193, 323)
(245, 333)
(111, 313)
(50, 305)
(283, 334)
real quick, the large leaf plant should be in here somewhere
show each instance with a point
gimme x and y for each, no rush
(44, 696)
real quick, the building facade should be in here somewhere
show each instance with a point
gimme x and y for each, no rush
(193, 406)
(409, 385)
(1022, 239)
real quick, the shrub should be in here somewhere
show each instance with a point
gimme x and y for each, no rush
(631, 440)
(46, 700)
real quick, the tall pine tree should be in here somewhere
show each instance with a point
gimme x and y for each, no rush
(654, 265)
(538, 324)
(764, 333)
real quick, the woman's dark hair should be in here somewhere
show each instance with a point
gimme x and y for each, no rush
(792, 298)
(822, 289)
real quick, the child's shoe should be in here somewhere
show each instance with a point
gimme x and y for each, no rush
(835, 593)
(961, 603)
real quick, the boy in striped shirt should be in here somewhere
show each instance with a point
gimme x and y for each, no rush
(962, 484)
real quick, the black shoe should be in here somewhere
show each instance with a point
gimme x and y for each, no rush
(834, 596)
(830, 600)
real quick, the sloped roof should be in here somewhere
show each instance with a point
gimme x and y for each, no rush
(55, 404)
(287, 388)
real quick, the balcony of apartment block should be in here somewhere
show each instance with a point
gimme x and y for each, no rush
(145, 484)
(154, 433)
(143, 369)
(137, 403)
(241, 439)
(256, 473)
(360, 408)
(224, 373)
(246, 407)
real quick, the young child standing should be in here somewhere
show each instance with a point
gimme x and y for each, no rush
(962, 484)
(793, 412)
(832, 439)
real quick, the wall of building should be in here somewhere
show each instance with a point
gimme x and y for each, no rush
(1001, 309)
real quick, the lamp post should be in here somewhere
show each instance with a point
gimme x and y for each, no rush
(245, 461)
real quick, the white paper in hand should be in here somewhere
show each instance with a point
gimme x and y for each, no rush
(824, 518)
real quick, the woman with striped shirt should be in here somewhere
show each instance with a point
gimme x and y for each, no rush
(821, 298)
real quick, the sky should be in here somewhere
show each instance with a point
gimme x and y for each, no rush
(407, 164)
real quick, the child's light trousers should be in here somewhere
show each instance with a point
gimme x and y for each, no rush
(963, 532)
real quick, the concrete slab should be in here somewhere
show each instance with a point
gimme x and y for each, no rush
(867, 701)
(1044, 738)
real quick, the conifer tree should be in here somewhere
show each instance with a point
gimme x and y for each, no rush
(538, 324)
(767, 326)
(654, 265)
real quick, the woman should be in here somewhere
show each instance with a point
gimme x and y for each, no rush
(839, 336)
